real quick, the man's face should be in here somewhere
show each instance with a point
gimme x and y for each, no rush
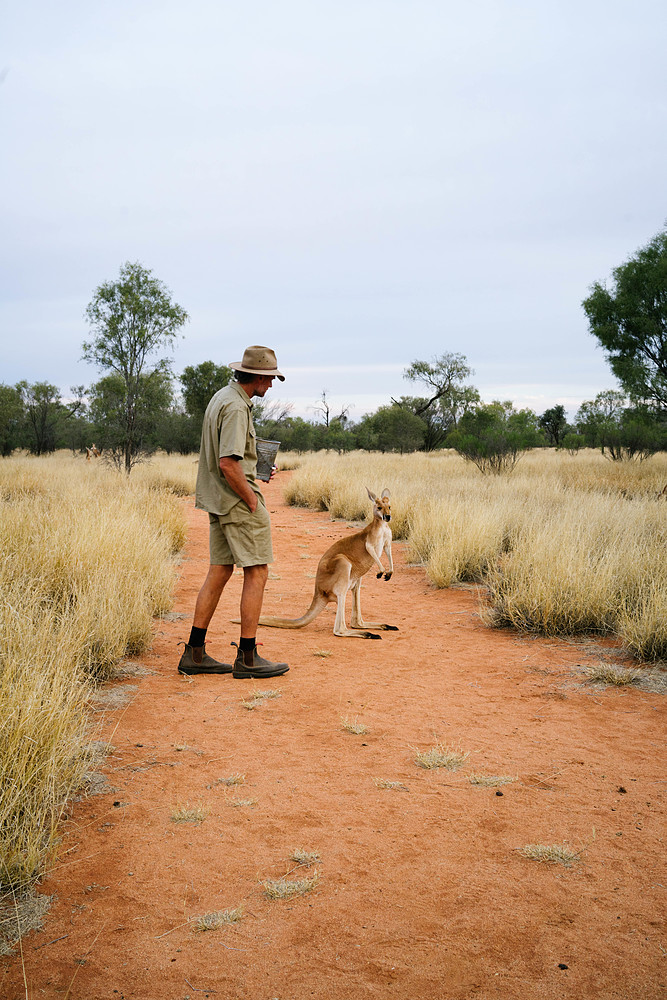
(262, 385)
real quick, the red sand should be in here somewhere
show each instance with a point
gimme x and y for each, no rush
(423, 892)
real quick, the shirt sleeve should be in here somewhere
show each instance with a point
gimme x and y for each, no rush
(233, 432)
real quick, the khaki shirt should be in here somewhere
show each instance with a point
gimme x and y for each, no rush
(227, 431)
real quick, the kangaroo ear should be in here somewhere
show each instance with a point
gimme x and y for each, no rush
(385, 494)
(371, 495)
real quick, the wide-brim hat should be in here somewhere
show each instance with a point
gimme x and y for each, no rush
(258, 361)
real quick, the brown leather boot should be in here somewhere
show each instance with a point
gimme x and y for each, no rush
(249, 663)
(195, 660)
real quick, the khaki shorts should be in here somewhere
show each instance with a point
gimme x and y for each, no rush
(244, 542)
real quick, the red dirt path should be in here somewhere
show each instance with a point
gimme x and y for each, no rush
(422, 891)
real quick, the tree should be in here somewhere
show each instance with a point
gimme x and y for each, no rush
(621, 432)
(108, 409)
(325, 409)
(132, 319)
(201, 382)
(573, 442)
(630, 322)
(554, 422)
(494, 435)
(396, 429)
(176, 431)
(11, 415)
(448, 397)
(44, 414)
(297, 435)
(595, 416)
(337, 437)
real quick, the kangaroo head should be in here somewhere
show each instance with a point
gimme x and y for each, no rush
(381, 505)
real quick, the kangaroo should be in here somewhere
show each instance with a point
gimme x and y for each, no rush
(341, 568)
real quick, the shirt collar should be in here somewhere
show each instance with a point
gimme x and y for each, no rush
(242, 393)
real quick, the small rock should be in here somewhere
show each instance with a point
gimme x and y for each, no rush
(499, 793)
(562, 965)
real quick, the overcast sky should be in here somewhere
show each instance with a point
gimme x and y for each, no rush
(356, 184)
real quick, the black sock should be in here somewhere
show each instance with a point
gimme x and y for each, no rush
(246, 644)
(197, 636)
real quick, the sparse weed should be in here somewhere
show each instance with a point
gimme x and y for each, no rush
(557, 854)
(219, 918)
(324, 653)
(258, 697)
(190, 814)
(385, 783)
(490, 780)
(441, 756)
(305, 858)
(283, 888)
(607, 673)
(352, 726)
(242, 803)
(230, 781)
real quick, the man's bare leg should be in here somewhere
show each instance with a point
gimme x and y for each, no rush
(209, 595)
(248, 662)
(195, 659)
(254, 582)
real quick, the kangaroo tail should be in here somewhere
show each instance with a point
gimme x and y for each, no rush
(318, 605)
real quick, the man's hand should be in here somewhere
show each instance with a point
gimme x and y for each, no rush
(233, 473)
(274, 469)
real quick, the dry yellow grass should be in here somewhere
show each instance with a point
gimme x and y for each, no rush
(490, 780)
(219, 918)
(190, 814)
(353, 726)
(88, 563)
(303, 857)
(555, 854)
(566, 544)
(440, 756)
(284, 888)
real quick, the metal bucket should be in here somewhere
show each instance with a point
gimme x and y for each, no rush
(266, 458)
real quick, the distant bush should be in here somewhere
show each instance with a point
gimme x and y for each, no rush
(493, 437)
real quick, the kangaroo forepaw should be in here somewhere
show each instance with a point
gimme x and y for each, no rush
(379, 575)
(387, 576)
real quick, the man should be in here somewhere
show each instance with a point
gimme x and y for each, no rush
(240, 530)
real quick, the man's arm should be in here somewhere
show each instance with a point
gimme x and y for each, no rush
(231, 469)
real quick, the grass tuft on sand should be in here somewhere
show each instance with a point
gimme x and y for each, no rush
(190, 814)
(607, 673)
(440, 756)
(305, 858)
(353, 726)
(283, 888)
(490, 780)
(258, 697)
(555, 854)
(217, 919)
(230, 781)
